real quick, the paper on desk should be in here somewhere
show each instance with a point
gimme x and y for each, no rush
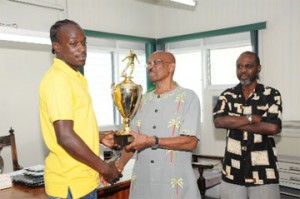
(35, 168)
(5, 181)
(207, 162)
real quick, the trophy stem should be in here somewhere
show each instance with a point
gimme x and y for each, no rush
(127, 79)
(124, 138)
(126, 128)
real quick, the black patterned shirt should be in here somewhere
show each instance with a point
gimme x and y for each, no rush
(250, 158)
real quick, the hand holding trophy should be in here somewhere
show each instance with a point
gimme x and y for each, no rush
(126, 96)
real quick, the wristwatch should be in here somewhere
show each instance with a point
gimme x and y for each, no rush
(249, 118)
(156, 144)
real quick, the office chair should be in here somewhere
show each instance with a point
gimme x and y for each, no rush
(9, 140)
(209, 168)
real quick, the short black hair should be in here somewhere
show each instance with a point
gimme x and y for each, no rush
(257, 60)
(55, 28)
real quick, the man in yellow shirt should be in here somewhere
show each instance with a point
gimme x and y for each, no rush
(68, 122)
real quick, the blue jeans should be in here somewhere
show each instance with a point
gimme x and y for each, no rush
(91, 195)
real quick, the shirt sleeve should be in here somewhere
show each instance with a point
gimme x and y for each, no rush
(191, 123)
(221, 107)
(59, 99)
(274, 112)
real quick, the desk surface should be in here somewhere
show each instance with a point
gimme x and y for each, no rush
(118, 190)
(20, 191)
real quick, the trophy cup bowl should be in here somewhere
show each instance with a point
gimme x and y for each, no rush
(126, 96)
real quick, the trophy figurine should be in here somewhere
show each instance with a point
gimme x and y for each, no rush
(126, 96)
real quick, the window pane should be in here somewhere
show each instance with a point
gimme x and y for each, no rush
(98, 71)
(188, 67)
(223, 64)
(139, 73)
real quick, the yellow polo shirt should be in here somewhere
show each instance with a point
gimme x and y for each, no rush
(64, 95)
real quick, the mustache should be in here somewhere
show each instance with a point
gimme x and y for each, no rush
(79, 55)
(82, 54)
(240, 75)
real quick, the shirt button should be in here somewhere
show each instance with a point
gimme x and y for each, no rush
(152, 161)
(244, 148)
(156, 110)
(154, 127)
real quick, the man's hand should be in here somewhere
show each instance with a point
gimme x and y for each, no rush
(110, 173)
(256, 118)
(140, 141)
(107, 139)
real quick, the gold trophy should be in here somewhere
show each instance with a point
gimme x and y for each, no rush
(126, 96)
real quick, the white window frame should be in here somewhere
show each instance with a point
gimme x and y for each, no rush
(222, 42)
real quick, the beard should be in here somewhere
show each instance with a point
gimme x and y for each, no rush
(248, 81)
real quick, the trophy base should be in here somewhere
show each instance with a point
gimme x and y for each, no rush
(123, 140)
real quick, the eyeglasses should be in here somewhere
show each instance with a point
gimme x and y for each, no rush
(156, 62)
(247, 66)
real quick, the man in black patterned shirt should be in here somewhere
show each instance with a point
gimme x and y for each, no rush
(251, 113)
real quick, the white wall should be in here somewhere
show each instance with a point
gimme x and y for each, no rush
(23, 66)
(127, 17)
(21, 71)
(279, 50)
(279, 42)
(31, 17)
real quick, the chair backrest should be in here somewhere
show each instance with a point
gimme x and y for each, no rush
(205, 164)
(9, 140)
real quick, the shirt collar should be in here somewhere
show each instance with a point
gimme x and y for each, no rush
(259, 88)
(61, 65)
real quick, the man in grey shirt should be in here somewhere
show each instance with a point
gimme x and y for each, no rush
(166, 130)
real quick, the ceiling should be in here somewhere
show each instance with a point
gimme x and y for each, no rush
(169, 4)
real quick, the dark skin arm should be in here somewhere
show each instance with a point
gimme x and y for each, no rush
(107, 139)
(125, 157)
(74, 145)
(241, 123)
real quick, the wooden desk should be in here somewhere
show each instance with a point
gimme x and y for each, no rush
(20, 191)
(118, 190)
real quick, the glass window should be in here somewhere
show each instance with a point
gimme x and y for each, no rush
(139, 73)
(188, 72)
(98, 71)
(103, 67)
(222, 64)
(207, 62)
